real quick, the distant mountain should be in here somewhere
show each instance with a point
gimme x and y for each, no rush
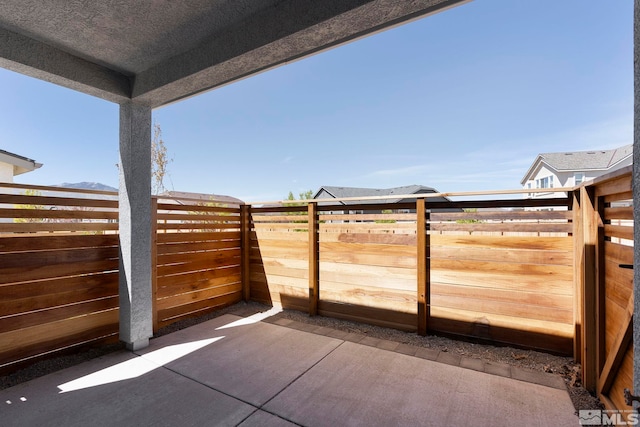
(88, 186)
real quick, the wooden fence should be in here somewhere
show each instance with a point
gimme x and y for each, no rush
(59, 266)
(58, 270)
(198, 258)
(494, 270)
(604, 261)
(551, 274)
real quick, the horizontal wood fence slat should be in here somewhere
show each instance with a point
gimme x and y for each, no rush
(58, 271)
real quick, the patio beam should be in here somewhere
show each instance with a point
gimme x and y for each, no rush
(136, 306)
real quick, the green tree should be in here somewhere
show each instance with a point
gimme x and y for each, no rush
(34, 193)
(470, 220)
(306, 195)
(385, 221)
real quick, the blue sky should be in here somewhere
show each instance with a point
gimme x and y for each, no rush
(461, 101)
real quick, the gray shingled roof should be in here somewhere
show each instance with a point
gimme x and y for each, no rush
(582, 160)
(17, 156)
(341, 192)
(585, 160)
(219, 198)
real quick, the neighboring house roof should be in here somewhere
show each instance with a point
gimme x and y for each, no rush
(216, 198)
(20, 164)
(592, 160)
(343, 192)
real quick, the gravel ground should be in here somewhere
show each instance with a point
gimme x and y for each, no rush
(527, 359)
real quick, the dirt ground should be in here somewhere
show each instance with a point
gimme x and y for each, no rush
(527, 359)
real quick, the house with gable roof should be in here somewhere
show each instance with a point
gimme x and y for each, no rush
(330, 192)
(568, 169)
(12, 164)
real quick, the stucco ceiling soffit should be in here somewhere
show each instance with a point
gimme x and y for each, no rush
(290, 30)
(36, 59)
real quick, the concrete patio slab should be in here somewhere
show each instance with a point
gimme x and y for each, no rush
(265, 419)
(250, 361)
(361, 385)
(243, 372)
(117, 390)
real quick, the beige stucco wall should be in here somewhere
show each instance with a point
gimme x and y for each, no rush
(6, 172)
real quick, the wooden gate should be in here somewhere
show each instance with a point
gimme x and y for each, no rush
(607, 207)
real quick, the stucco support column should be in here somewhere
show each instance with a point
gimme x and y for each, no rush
(136, 308)
(636, 200)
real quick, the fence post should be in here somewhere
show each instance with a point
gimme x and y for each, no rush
(578, 276)
(314, 259)
(589, 293)
(424, 279)
(154, 262)
(245, 244)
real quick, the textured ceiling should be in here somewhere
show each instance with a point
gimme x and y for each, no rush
(160, 51)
